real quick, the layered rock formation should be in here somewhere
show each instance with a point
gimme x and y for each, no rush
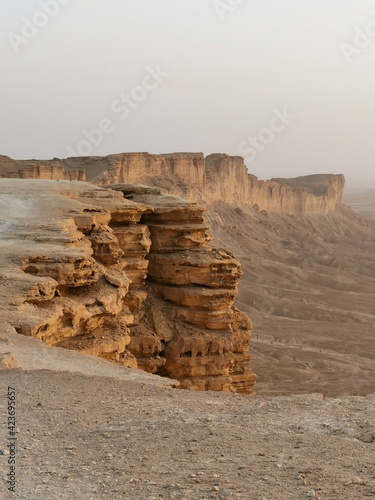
(39, 169)
(124, 273)
(217, 177)
(281, 196)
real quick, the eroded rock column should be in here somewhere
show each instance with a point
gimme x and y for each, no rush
(190, 330)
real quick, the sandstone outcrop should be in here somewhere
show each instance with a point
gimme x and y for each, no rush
(218, 177)
(39, 169)
(124, 273)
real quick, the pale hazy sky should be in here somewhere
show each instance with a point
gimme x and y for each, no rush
(221, 78)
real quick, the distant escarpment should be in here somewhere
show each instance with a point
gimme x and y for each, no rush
(217, 177)
(39, 169)
(124, 273)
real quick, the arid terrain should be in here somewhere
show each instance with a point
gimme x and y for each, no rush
(308, 281)
(84, 438)
(309, 288)
(187, 250)
(90, 428)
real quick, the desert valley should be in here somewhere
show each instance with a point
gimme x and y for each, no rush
(115, 266)
(187, 250)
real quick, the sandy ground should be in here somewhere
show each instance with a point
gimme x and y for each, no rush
(86, 437)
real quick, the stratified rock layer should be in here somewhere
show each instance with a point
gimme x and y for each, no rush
(124, 273)
(39, 169)
(217, 177)
(192, 286)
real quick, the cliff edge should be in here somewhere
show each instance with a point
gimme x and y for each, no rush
(124, 273)
(218, 177)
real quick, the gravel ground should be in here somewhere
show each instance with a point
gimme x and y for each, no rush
(84, 437)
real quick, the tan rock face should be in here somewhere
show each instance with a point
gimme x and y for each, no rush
(123, 273)
(207, 267)
(217, 177)
(309, 195)
(201, 339)
(39, 169)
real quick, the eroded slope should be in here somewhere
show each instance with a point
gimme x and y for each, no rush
(217, 177)
(309, 286)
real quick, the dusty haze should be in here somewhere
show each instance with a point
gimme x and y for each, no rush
(226, 76)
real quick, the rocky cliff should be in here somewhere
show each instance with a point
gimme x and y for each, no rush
(217, 177)
(124, 273)
(38, 169)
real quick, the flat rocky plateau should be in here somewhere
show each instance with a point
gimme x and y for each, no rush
(84, 437)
